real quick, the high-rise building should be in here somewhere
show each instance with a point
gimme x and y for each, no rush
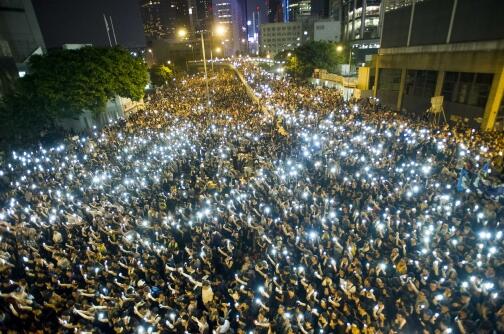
(361, 19)
(228, 13)
(361, 27)
(151, 16)
(320, 8)
(20, 28)
(275, 11)
(174, 15)
(257, 14)
(428, 49)
(162, 18)
(335, 9)
(204, 15)
(297, 9)
(8, 70)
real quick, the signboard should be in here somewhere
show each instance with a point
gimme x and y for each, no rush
(436, 104)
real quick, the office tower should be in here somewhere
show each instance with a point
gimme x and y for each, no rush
(174, 15)
(228, 13)
(275, 11)
(297, 9)
(361, 28)
(204, 15)
(151, 16)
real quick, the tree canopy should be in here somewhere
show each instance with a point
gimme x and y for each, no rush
(160, 74)
(301, 61)
(63, 83)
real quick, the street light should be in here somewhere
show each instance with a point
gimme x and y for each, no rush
(220, 30)
(192, 50)
(182, 32)
(340, 48)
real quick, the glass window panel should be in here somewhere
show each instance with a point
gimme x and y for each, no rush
(449, 84)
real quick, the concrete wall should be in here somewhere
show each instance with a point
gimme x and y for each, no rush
(115, 109)
(443, 21)
(446, 60)
(464, 58)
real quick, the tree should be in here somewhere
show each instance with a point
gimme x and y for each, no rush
(309, 56)
(160, 74)
(63, 83)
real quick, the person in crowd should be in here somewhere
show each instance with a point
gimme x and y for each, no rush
(301, 214)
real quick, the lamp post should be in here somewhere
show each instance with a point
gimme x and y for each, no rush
(205, 67)
(219, 31)
(182, 33)
(339, 49)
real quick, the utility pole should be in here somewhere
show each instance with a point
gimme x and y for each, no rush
(205, 67)
(107, 28)
(113, 30)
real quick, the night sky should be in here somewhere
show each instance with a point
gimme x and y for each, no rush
(81, 22)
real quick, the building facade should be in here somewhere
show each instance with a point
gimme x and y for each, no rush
(20, 28)
(327, 30)
(336, 9)
(228, 13)
(204, 16)
(151, 17)
(293, 10)
(361, 27)
(429, 49)
(277, 37)
(276, 11)
(174, 16)
(296, 9)
(162, 18)
(8, 70)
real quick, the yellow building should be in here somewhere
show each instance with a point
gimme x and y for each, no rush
(429, 48)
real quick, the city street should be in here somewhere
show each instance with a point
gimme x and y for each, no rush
(303, 214)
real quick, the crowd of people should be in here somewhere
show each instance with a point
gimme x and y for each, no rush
(304, 214)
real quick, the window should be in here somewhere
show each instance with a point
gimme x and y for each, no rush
(467, 88)
(420, 83)
(389, 79)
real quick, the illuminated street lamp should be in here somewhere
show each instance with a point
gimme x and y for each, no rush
(220, 30)
(339, 49)
(182, 33)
